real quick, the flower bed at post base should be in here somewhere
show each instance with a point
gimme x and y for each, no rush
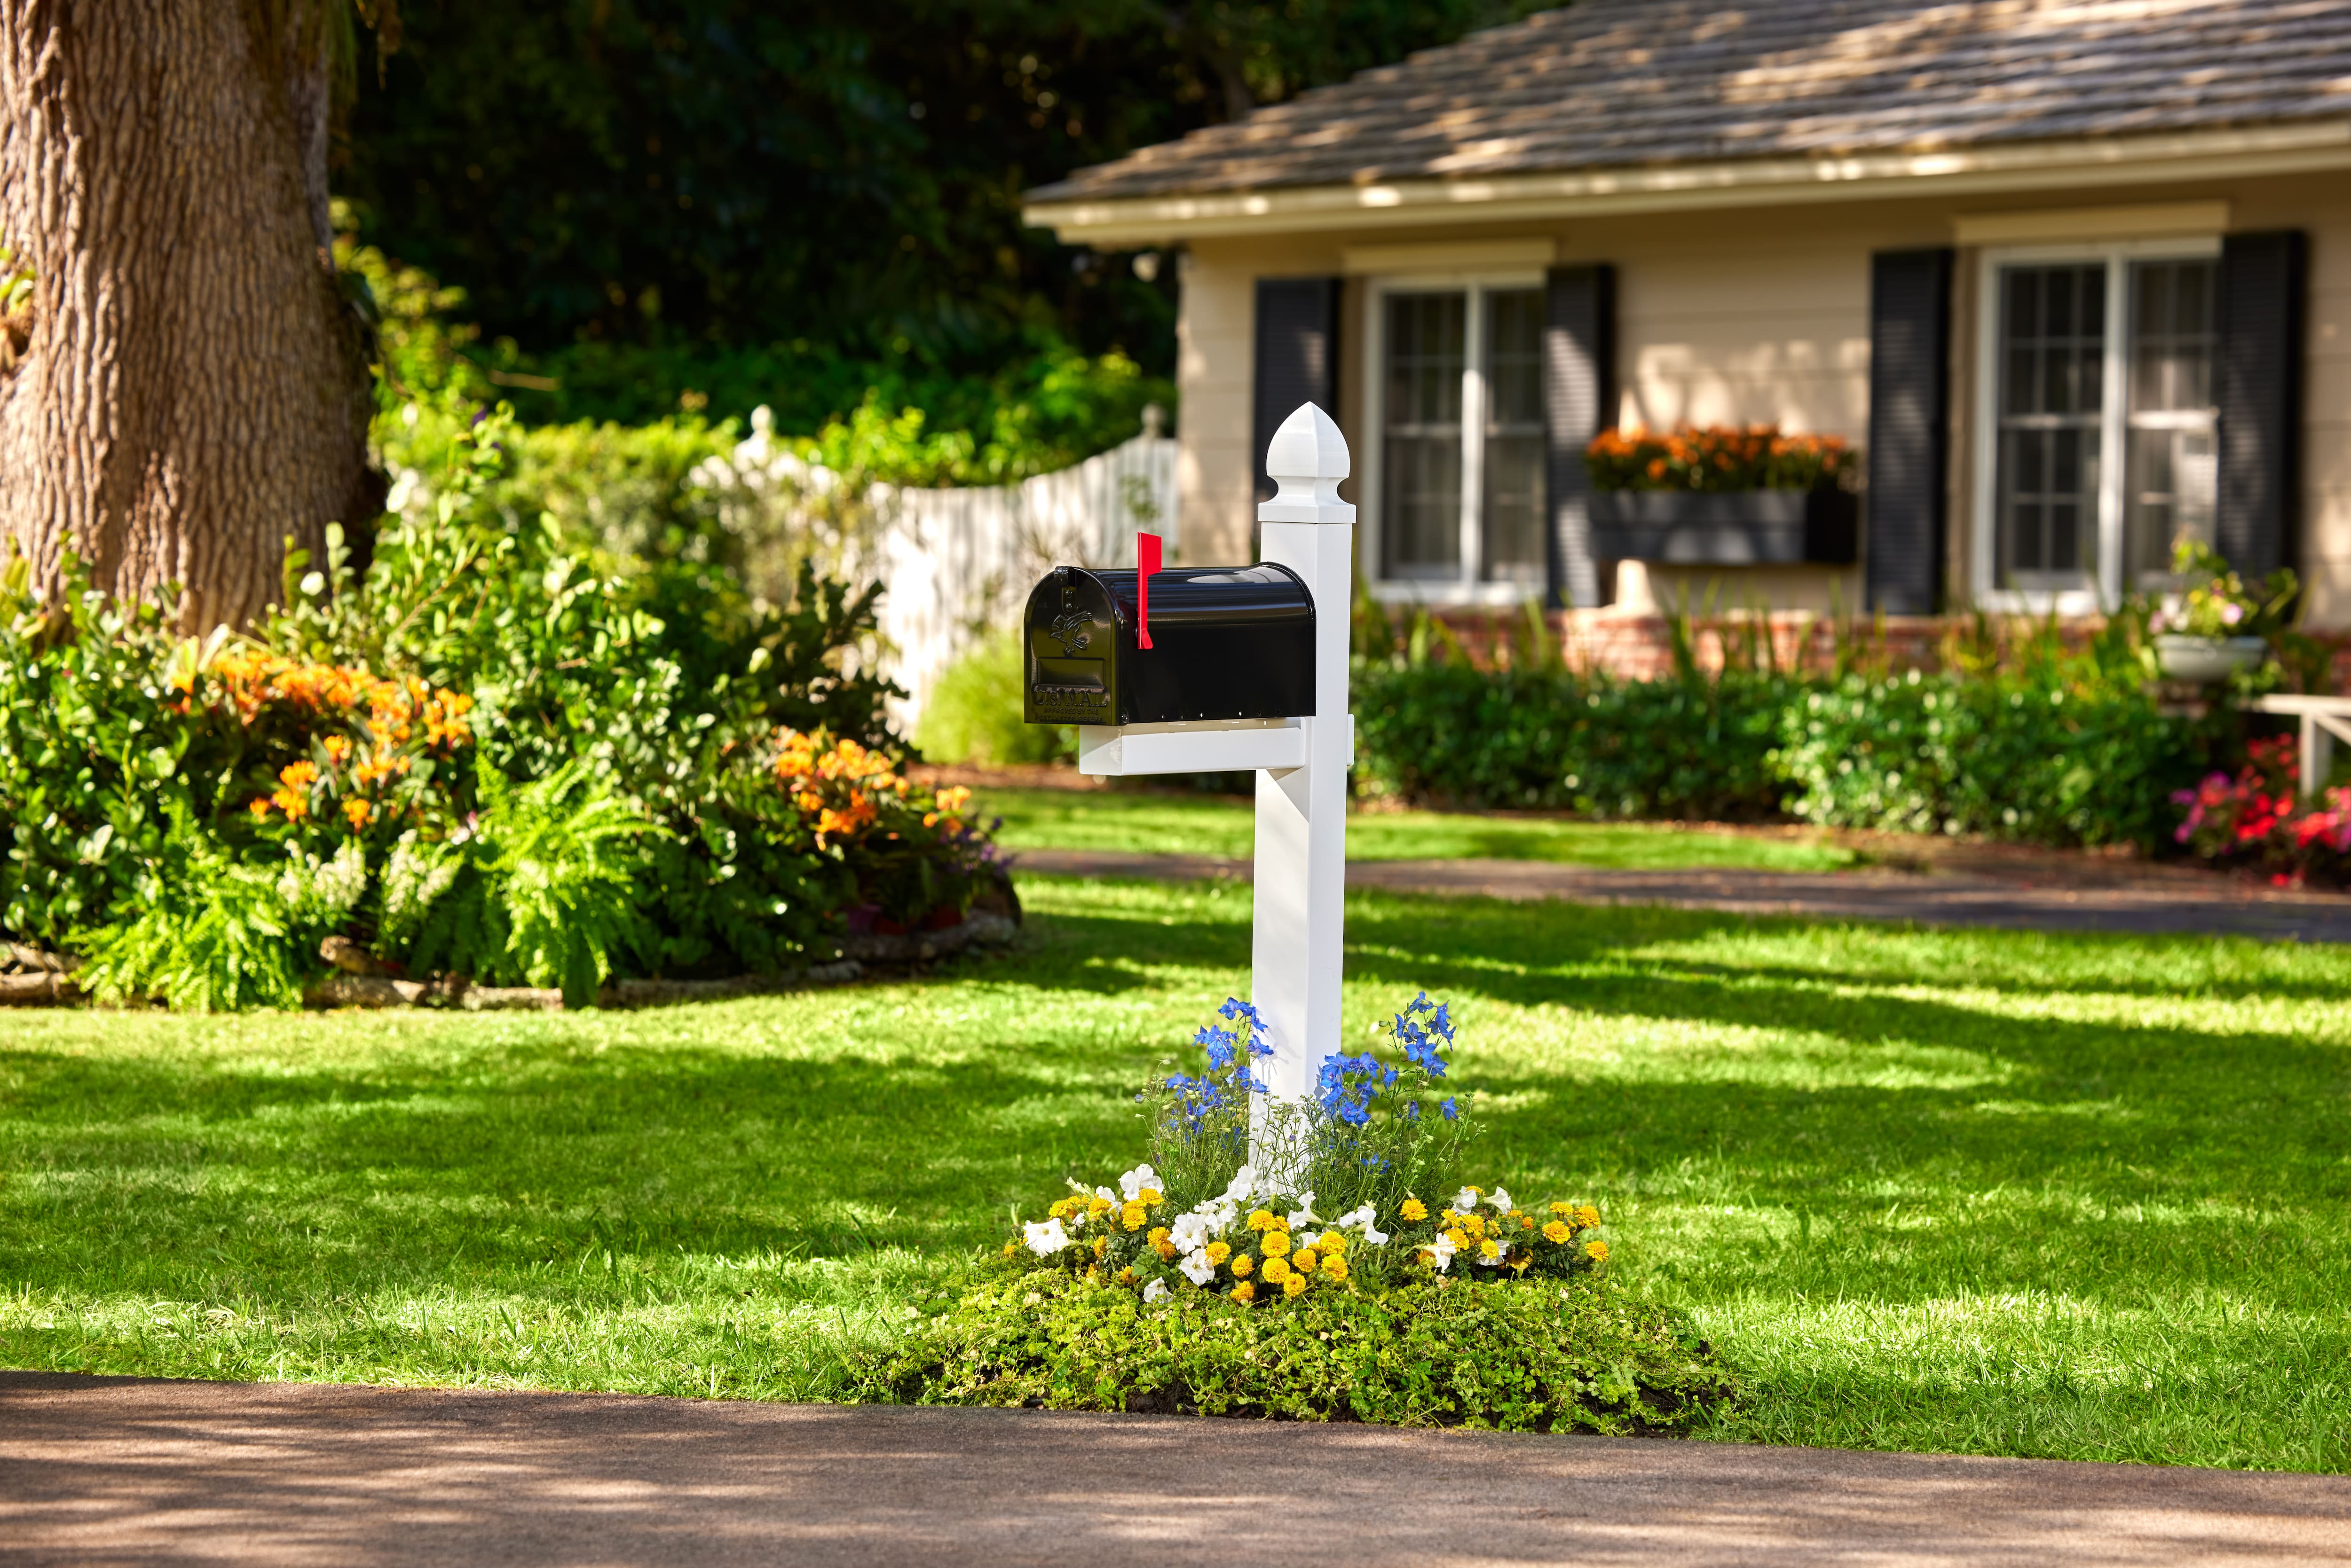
(1343, 1273)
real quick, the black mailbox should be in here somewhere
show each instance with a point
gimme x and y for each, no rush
(1226, 643)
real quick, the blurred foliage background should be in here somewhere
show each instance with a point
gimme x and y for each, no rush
(661, 206)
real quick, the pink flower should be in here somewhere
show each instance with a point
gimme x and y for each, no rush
(2232, 613)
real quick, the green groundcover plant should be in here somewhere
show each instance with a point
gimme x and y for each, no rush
(1344, 1275)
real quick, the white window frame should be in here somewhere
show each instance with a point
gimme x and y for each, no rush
(1468, 589)
(2113, 420)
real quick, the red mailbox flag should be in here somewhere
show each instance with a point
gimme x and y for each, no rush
(1146, 561)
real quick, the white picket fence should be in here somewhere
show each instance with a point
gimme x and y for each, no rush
(957, 565)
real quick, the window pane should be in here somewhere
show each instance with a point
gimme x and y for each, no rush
(1513, 471)
(1420, 491)
(2170, 472)
(2053, 346)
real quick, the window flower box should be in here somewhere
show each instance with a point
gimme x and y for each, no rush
(1733, 527)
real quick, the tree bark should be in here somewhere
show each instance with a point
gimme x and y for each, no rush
(193, 388)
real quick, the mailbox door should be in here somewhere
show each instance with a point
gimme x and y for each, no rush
(1070, 651)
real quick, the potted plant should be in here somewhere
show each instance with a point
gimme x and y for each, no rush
(2219, 625)
(1722, 496)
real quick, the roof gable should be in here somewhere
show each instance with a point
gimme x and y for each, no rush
(1631, 83)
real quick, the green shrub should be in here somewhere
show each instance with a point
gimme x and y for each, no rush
(544, 890)
(1450, 734)
(211, 933)
(974, 713)
(2021, 738)
(1547, 1356)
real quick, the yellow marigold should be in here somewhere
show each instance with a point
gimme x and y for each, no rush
(1097, 1206)
(1260, 1219)
(1274, 1243)
(1596, 1250)
(1243, 1264)
(1526, 1222)
(1010, 1248)
(1295, 1286)
(1333, 1243)
(1166, 1249)
(1159, 1233)
(1102, 1244)
(1133, 1216)
(1415, 1210)
(1586, 1218)
(1125, 1276)
(1245, 1292)
(1459, 1238)
(1563, 1209)
(1475, 1224)
(1335, 1270)
(1277, 1270)
(1148, 1197)
(1305, 1260)
(1217, 1251)
(1489, 1250)
(1556, 1233)
(358, 811)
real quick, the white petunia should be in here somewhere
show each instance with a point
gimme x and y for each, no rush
(1465, 1200)
(1501, 1200)
(1197, 1268)
(1105, 1194)
(1154, 1291)
(1191, 1231)
(1046, 1238)
(1443, 1248)
(1361, 1220)
(1304, 1213)
(1132, 1182)
(1243, 1187)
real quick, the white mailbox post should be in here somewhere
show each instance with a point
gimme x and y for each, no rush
(1301, 763)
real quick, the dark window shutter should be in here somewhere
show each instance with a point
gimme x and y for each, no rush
(1579, 402)
(1297, 357)
(1909, 429)
(2259, 390)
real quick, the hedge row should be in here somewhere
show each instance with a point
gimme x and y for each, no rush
(2059, 750)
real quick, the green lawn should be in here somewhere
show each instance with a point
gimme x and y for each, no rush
(1220, 825)
(1989, 1192)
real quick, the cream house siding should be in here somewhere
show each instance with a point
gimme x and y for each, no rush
(1760, 316)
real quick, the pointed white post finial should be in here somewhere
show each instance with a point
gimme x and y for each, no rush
(1307, 458)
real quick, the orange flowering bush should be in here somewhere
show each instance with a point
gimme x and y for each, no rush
(325, 745)
(1716, 458)
(917, 855)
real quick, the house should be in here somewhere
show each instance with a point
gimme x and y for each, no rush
(2076, 275)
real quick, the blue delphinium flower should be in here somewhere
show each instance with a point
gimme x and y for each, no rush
(1219, 1043)
(1448, 1109)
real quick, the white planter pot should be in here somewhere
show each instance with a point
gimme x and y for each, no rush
(2186, 658)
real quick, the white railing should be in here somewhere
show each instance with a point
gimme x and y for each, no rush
(958, 564)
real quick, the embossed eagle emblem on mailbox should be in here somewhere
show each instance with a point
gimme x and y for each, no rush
(1070, 630)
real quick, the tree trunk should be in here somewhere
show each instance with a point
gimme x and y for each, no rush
(192, 389)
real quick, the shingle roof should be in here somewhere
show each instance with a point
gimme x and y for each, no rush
(1620, 83)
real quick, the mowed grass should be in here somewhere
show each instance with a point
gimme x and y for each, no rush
(1987, 1192)
(1222, 825)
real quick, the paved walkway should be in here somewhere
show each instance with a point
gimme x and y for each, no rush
(122, 1471)
(2194, 904)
